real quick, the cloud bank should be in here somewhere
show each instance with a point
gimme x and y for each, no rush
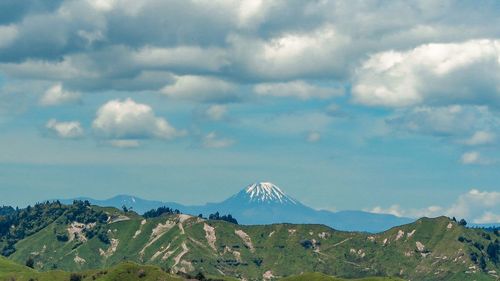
(475, 206)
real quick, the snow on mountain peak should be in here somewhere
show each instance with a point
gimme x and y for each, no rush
(267, 192)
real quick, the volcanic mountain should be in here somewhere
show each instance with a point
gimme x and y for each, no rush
(266, 203)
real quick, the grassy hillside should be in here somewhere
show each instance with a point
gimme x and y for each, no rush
(10, 271)
(429, 249)
(127, 271)
(322, 277)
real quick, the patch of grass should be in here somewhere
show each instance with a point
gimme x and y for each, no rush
(315, 276)
(127, 271)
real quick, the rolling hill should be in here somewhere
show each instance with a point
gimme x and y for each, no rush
(265, 203)
(125, 271)
(428, 249)
(128, 271)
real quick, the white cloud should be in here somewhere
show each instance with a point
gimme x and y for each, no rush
(480, 137)
(8, 33)
(251, 12)
(313, 137)
(292, 55)
(488, 217)
(431, 73)
(250, 40)
(91, 36)
(298, 89)
(397, 210)
(475, 206)
(392, 210)
(127, 119)
(56, 95)
(43, 70)
(453, 120)
(478, 206)
(216, 112)
(200, 88)
(211, 140)
(471, 157)
(182, 57)
(102, 5)
(67, 130)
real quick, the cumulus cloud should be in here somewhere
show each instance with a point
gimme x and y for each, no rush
(200, 88)
(465, 72)
(298, 89)
(8, 34)
(453, 120)
(476, 206)
(242, 41)
(66, 130)
(102, 5)
(211, 140)
(56, 95)
(472, 158)
(488, 217)
(397, 210)
(127, 119)
(182, 58)
(480, 138)
(216, 112)
(250, 13)
(292, 55)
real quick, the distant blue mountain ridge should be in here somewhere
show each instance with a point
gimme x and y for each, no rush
(264, 203)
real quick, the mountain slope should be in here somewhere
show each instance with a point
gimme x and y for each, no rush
(122, 272)
(430, 249)
(265, 203)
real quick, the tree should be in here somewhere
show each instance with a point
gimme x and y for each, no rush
(160, 211)
(215, 216)
(482, 263)
(30, 262)
(228, 218)
(141, 273)
(493, 251)
(462, 222)
(75, 277)
(200, 277)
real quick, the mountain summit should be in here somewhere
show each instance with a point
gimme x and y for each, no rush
(266, 203)
(266, 192)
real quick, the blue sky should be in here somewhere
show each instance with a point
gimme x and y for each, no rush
(385, 106)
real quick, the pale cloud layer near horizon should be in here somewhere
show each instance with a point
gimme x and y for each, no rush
(369, 105)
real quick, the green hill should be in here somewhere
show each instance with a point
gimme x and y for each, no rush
(429, 249)
(322, 277)
(126, 271)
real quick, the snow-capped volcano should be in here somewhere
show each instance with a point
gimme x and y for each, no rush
(266, 192)
(265, 203)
